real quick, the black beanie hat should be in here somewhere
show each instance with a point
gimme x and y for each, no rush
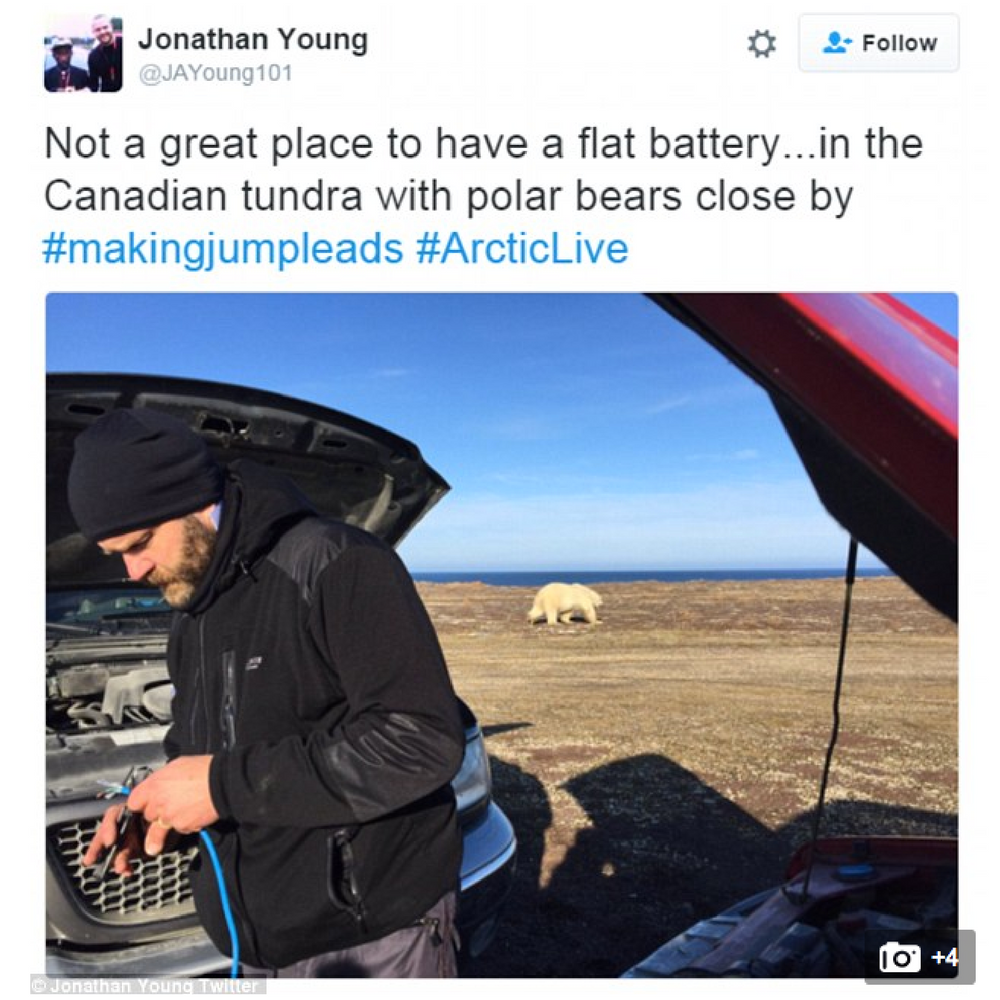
(135, 469)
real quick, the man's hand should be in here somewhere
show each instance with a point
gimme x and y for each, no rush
(105, 837)
(176, 797)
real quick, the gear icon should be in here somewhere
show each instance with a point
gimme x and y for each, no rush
(762, 43)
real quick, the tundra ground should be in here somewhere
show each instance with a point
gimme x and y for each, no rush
(662, 764)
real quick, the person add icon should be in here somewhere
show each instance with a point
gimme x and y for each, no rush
(837, 43)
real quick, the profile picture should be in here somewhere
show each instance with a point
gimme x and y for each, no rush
(83, 54)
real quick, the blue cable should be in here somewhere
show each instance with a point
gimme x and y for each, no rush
(227, 912)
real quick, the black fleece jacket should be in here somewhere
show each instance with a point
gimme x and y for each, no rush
(307, 666)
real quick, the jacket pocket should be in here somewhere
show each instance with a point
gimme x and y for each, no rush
(342, 877)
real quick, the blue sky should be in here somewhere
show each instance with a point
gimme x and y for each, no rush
(577, 431)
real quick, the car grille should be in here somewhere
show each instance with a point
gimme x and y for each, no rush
(157, 890)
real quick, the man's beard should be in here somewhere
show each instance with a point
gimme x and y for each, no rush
(179, 583)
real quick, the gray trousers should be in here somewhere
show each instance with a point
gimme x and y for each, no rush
(424, 950)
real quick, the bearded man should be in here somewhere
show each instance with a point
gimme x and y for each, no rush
(315, 729)
(104, 61)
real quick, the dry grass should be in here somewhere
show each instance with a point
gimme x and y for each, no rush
(662, 764)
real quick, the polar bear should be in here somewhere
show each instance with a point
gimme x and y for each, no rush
(563, 602)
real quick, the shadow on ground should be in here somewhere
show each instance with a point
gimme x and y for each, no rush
(663, 851)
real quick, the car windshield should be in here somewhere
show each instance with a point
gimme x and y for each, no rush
(108, 611)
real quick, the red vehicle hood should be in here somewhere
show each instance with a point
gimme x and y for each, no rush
(868, 392)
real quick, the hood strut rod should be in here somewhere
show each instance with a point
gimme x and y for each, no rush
(852, 563)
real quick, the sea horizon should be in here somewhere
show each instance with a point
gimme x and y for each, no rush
(532, 578)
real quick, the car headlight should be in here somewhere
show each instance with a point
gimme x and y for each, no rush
(472, 784)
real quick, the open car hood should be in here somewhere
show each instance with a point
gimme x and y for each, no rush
(348, 468)
(868, 392)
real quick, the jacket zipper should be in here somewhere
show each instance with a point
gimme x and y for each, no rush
(227, 719)
(229, 699)
(206, 742)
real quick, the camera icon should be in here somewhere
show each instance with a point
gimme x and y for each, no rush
(896, 957)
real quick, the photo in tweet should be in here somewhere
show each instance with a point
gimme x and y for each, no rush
(691, 560)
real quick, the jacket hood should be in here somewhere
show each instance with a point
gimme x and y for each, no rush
(341, 466)
(258, 505)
